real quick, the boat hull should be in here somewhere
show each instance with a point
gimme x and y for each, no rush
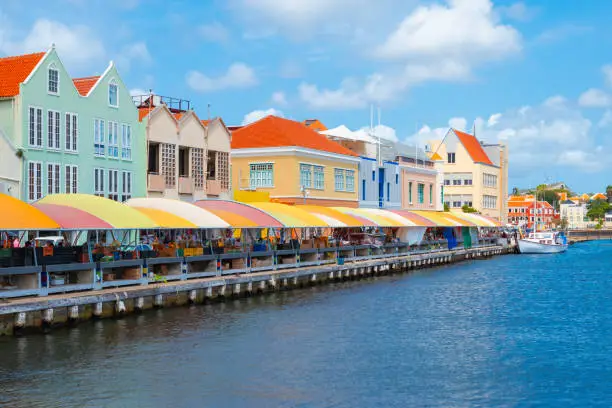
(530, 247)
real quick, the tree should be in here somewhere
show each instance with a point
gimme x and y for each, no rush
(597, 209)
(446, 207)
(515, 191)
(467, 209)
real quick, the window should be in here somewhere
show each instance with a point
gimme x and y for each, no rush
(305, 175)
(388, 191)
(99, 182)
(261, 175)
(457, 204)
(35, 131)
(126, 178)
(421, 192)
(168, 164)
(489, 201)
(350, 180)
(113, 93)
(430, 194)
(99, 146)
(53, 80)
(319, 178)
(71, 178)
(396, 178)
(467, 182)
(363, 190)
(451, 157)
(53, 178)
(339, 179)
(183, 161)
(113, 188)
(373, 175)
(126, 142)
(447, 182)
(71, 132)
(410, 192)
(113, 140)
(489, 180)
(197, 167)
(222, 162)
(34, 181)
(53, 129)
(456, 182)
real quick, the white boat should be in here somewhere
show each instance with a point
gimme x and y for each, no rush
(543, 243)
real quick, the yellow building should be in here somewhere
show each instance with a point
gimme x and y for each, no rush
(475, 174)
(294, 164)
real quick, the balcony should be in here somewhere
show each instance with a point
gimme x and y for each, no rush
(185, 185)
(156, 182)
(213, 187)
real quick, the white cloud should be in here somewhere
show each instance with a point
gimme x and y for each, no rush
(540, 138)
(606, 119)
(214, 32)
(279, 98)
(138, 92)
(238, 75)
(518, 11)
(594, 98)
(135, 53)
(383, 131)
(260, 114)
(561, 33)
(461, 30)
(607, 72)
(433, 43)
(77, 45)
(290, 69)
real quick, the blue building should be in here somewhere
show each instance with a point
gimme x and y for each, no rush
(379, 184)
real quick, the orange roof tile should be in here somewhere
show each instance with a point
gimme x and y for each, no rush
(15, 70)
(84, 85)
(273, 131)
(178, 115)
(143, 112)
(315, 124)
(473, 147)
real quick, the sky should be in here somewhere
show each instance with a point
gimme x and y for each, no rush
(535, 75)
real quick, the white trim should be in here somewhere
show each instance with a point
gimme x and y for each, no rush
(59, 126)
(27, 181)
(419, 170)
(71, 167)
(41, 62)
(75, 150)
(106, 71)
(316, 197)
(112, 82)
(59, 181)
(291, 151)
(42, 133)
(53, 66)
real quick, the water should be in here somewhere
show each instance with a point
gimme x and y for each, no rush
(511, 331)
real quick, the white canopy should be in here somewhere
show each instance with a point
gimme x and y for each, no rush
(342, 132)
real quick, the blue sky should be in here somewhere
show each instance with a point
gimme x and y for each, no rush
(532, 74)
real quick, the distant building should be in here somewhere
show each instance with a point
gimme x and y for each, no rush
(574, 214)
(294, 164)
(524, 212)
(475, 173)
(67, 135)
(188, 158)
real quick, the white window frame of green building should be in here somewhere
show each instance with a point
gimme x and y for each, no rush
(350, 180)
(35, 133)
(99, 138)
(126, 142)
(339, 180)
(113, 184)
(72, 132)
(53, 129)
(113, 140)
(305, 175)
(71, 178)
(53, 79)
(261, 175)
(53, 178)
(421, 193)
(99, 182)
(126, 187)
(319, 177)
(34, 180)
(113, 92)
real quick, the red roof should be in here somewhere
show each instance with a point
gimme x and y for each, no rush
(473, 147)
(15, 70)
(84, 85)
(273, 131)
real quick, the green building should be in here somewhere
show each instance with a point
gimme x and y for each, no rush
(67, 135)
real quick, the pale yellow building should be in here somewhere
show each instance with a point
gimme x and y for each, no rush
(294, 164)
(475, 173)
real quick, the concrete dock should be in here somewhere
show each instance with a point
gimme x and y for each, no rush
(27, 315)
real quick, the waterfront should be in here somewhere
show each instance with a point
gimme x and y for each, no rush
(512, 330)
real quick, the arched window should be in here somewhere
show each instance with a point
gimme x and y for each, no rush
(113, 93)
(53, 79)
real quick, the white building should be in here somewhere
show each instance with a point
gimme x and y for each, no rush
(575, 214)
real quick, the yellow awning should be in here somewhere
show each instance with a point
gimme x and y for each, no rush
(291, 216)
(165, 219)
